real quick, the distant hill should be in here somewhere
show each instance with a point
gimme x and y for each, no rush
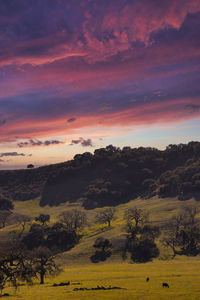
(110, 176)
(26, 184)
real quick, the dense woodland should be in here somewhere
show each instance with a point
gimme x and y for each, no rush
(110, 176)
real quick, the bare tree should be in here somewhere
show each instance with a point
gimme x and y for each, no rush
(106, 215)
(4, 215)
(14, 265)
(136, 215)
(182, 233)
(73, 219)
(23, 220)
(43, 263)
(171, 242)
(189, 214)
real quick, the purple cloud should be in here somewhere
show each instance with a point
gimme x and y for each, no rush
(39, 143)
(5, 154)
(2, 122)
(83, 142)
(193, 107)
(109, 63)
(71, 120)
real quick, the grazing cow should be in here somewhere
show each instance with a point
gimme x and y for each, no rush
(147, 279)
(165, 285)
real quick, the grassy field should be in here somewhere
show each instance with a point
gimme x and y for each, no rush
(159, 209)
(182, 273)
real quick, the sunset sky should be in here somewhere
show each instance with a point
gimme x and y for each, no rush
(76, 75)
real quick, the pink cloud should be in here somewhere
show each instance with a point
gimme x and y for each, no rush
(103, 68)
(161, 113)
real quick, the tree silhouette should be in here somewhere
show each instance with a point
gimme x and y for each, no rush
(43, 263)
(43, 219)
(105, 216)
(73, 219)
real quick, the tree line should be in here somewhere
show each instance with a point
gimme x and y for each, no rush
(110, 176)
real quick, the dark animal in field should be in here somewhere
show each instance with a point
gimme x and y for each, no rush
(165, 285)
(147, 279)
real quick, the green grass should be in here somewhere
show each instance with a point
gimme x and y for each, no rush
(182, 273)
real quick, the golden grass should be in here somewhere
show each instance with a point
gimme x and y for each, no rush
(159, 209)
(182, 275)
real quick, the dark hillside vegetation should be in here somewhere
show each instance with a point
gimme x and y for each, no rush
(26, 184)
(110, 176)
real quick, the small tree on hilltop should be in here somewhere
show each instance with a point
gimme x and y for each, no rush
(30, 166)
(106, 216)
(73, 219)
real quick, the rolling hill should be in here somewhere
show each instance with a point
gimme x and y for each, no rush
(110, 176)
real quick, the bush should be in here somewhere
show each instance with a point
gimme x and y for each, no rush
(144, 250)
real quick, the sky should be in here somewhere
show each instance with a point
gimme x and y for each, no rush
(76, 75)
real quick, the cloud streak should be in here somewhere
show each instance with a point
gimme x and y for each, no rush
(33, 143)
(83, 142)
(193, 107)
(6, 154)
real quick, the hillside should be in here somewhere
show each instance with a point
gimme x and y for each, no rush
(110, 176)
(26, 184)
(181, 273)
(160, 211)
